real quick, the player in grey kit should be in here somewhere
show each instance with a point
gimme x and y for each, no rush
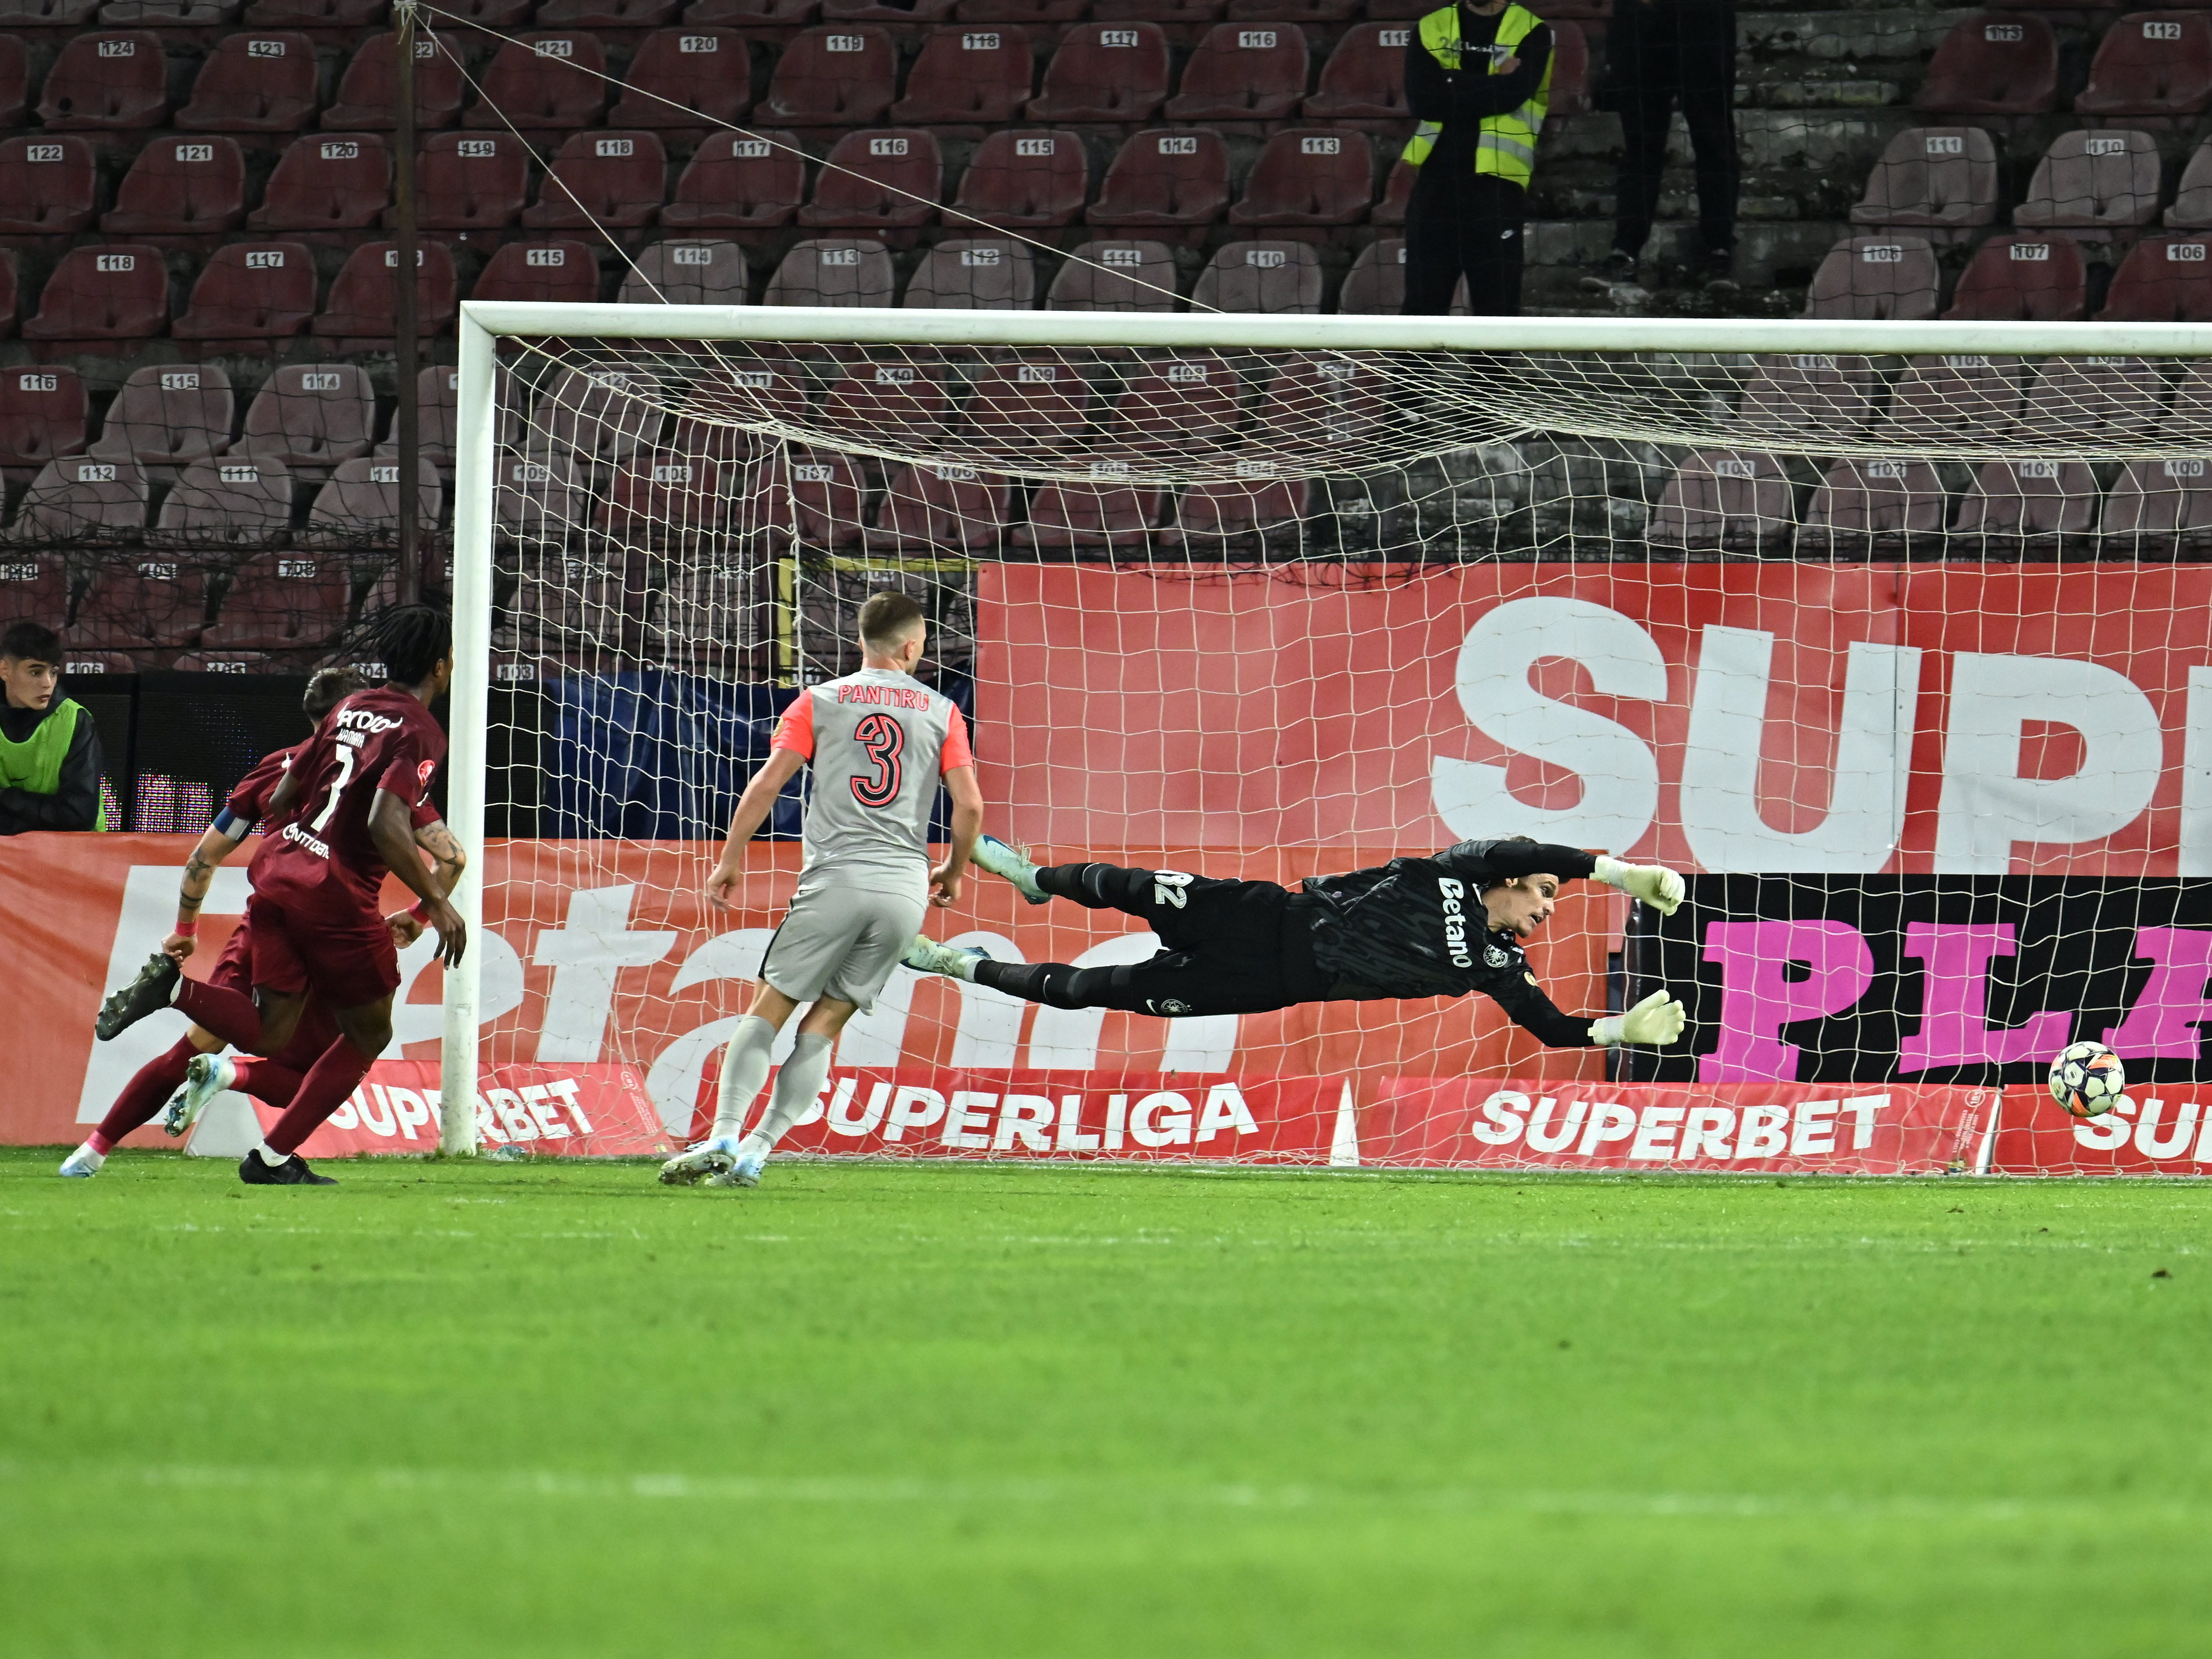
(878, 741)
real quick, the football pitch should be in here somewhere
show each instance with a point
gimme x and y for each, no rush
(870, 1410)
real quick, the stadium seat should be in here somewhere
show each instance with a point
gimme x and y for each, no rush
(1311, 399)
(309, 417)
(1878, 506)
(606, 13)
(1941, 179)
(469, 182)
(118, 292)
(85, 501)
(360, 505)
(166, 13)
(368, 92)
(901, 402)
(2024, 277)
(437, 396)
(689, 273)
(833, 271)
(257, 81)
(1023, 180)
(539, 497)
(1117, 276)
(671, 496)
(285, 601)
(1570, 70)
(2157, 508)
(599, 415)
(314, 14)
(1376, 284)
(882, 178)
(10, 307)
(168, 415)
(1992, 64)
(1211, 521)
(753, 14)
(1364, 78)
(1074, 519)
(1264, 276)
(771, 390)
(2094, 184)
(982, 76)
(47, 14)
(1397, 192)
(2028, 500)
(614, 179)
(2165, 279)
(816, 492)
(1725, 500)
(489, 14)
(1809, 395)
(232, 502)
(48, 186)
(686, 78)
(1021, 11)
(14, 80)
(874, 11)
(1293, 11)
(327, 181)
(1962, 396)
(969, 275)
(940, 509)
(1239, 72)
(35, 582)
(360, 313)
(43, 410)
(541, 81)
(146, 602)
(1183, 404)
(739, 181)
(2192, 202)
(1164, 178)
(540, 271)
(2096, 402)
(842, 77)
(108, 80)
(1306, 176)
(1105, 72)
(1883, 278)
(2151, 63)
(1037, 402)
(180, 187)
(250, 291)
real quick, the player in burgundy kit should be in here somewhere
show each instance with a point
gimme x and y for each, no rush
(346, 807)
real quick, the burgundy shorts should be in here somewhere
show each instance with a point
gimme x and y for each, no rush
(348, 962)
(233, 972)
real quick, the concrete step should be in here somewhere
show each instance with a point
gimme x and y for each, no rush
(1846, 140)
(1848, 35)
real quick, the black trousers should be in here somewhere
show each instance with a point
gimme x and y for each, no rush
(1659, 54)
(1461, 222)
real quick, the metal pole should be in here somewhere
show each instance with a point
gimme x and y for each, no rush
(405, 425)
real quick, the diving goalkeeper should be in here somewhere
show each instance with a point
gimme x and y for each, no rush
(1436, 927)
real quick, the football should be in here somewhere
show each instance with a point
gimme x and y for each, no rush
(2086, 1079)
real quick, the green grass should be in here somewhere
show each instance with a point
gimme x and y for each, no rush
(538, 1410)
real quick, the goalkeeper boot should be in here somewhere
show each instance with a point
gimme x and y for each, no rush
(926, 956)
(148, 993)
(206, 1077)
(83, 1163)
(1011, 864)
(710, 1157)
(745, 1172)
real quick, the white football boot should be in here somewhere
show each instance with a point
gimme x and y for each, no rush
(1011, 863)
(745, 1172)
(710, 1157)
(926, 956)
(206, 1077)
(83, 1163)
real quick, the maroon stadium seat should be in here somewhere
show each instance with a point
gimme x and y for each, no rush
(1213, 520)
(1117, 276)
(2151, 62)
(901, 400)
(314, 14)
(1023, 180)
(1376, 284)
(168, 415)
(83, 500)
(368, 92)
(48, 186)
(359, 314)
(693, 271)
(1242, 72)
(2094, 184)
(2100, 402)
(232, 502)
(105, 80)
(842, 77)
(1293, 11)
(816, 492)
(148, 601)
(948, 509)
(14, 80)
(1397, 192)
(35, 582)
(606, 13)
(968, 274)
(600, 415)
(2159, 507)
(540, 271)
(2164, 279)
(119, 292)
(1992, 64)
(1308, 176)
(470, 181)
(10, 298)
(437, 398)
(1040, 402)
(489, 14)
(538, 496)
(2027, 502)
(1886, 278)
(675, 495)
(359, 507)
(1156, 11)
(750, 13)
(881, 179)
(48, 14)
(187, 185)
(1019, 11)
(1105, 518)
(1940, 179)
(611, 179)
(966, 75)
(250, 291)
(310, 416)
(42, 415)
(1809, 394)
(833, 271)
(1105, 72)
(1265, 276)
(1189, 401)
(1879, 505)
(739, 181)
(1966, 395)
(874, 11)
(1570, 70)
(1309, 398)
(256, 82)
(1364, 78)
(284, 601)
(554, 80)
(687, 77)
(2192, 202)
(1164, 178)
(327, 181)
(2024, 277)
(1729, 501)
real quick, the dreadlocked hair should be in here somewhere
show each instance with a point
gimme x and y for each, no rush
(413, 639)
(329, 688)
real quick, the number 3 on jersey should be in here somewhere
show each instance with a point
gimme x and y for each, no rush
(884, 738)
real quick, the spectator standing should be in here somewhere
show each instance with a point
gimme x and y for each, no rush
(50, 754)
(1478, 80)
(1660, 52)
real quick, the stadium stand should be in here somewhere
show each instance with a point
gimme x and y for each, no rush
(1037, 402)
(83, 501)
(588, 415)
(147, 602)
(965, 76)
(1211, 521)
(689, 273)
(314, 14)
(539, 497)
(1942, 181)
(1240, 73)
(1105, 72)
(253, 82)
(2094, 184)
(43, 415)
(250, 292)
(751, 13)
(2028, 500)
(1725, 500)
(1886, 279)
(35, 582)
(740, 181)
(168, 14)
(1309, 177)
(540, 271)
(181, 186)
(1364, 78)
(686, 78)
(1164, 178)
(2025, 276)
(360, 313)
(309, 417)
(168, 416)
(901, 401)
(928, 510)
(1865, 508)
(233, 501)
(327, 181)
(10, 307)
(1194, 399)
(1033, 12)
(117, 292)
(1023, 181)
(48, 186)
(107, 81)
(1376, 285)
(34, 14)
(841, 76)
(965, 274)
(2192, 201)
(2151, 63)
(883, 179)
(613, 179)
(490, 14)
(671, 497)
(1397, 192)
(2158, 508)
(1948, 396)
(1117, 276)
(437, 395)
(1570, 70)
(1802, 395)
(872, 11)
(2164, 279)
(1189, 12)
(543, 81)
(14, 80)
(2101, 400)
(1276, 277)
(833, 271)
(1072, 519)
(1993, 63)
(284, 601)
(369, 91)
(469, 182)
(606, 13)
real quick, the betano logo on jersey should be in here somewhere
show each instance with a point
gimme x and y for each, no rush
(1455, 922)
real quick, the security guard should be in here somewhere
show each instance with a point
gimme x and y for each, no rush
(1478, 78)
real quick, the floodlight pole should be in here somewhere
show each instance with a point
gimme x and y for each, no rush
(406, 421)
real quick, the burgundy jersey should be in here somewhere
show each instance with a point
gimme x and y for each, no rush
(248, 803)
(323, 858)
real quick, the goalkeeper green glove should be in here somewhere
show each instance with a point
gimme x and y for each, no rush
(1660, 888)
(1657, 1020)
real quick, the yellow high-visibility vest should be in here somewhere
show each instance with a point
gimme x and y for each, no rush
(1507, 145)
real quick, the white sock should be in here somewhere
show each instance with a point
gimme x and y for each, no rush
(796, 1086)
(744, 1068)
(274, 1160)
(85, 1155)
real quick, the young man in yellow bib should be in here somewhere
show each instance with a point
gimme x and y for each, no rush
(50, 754)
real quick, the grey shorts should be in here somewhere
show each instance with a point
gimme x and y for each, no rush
(841, 941)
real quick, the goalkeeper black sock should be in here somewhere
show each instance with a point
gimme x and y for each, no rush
(1098, 887)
